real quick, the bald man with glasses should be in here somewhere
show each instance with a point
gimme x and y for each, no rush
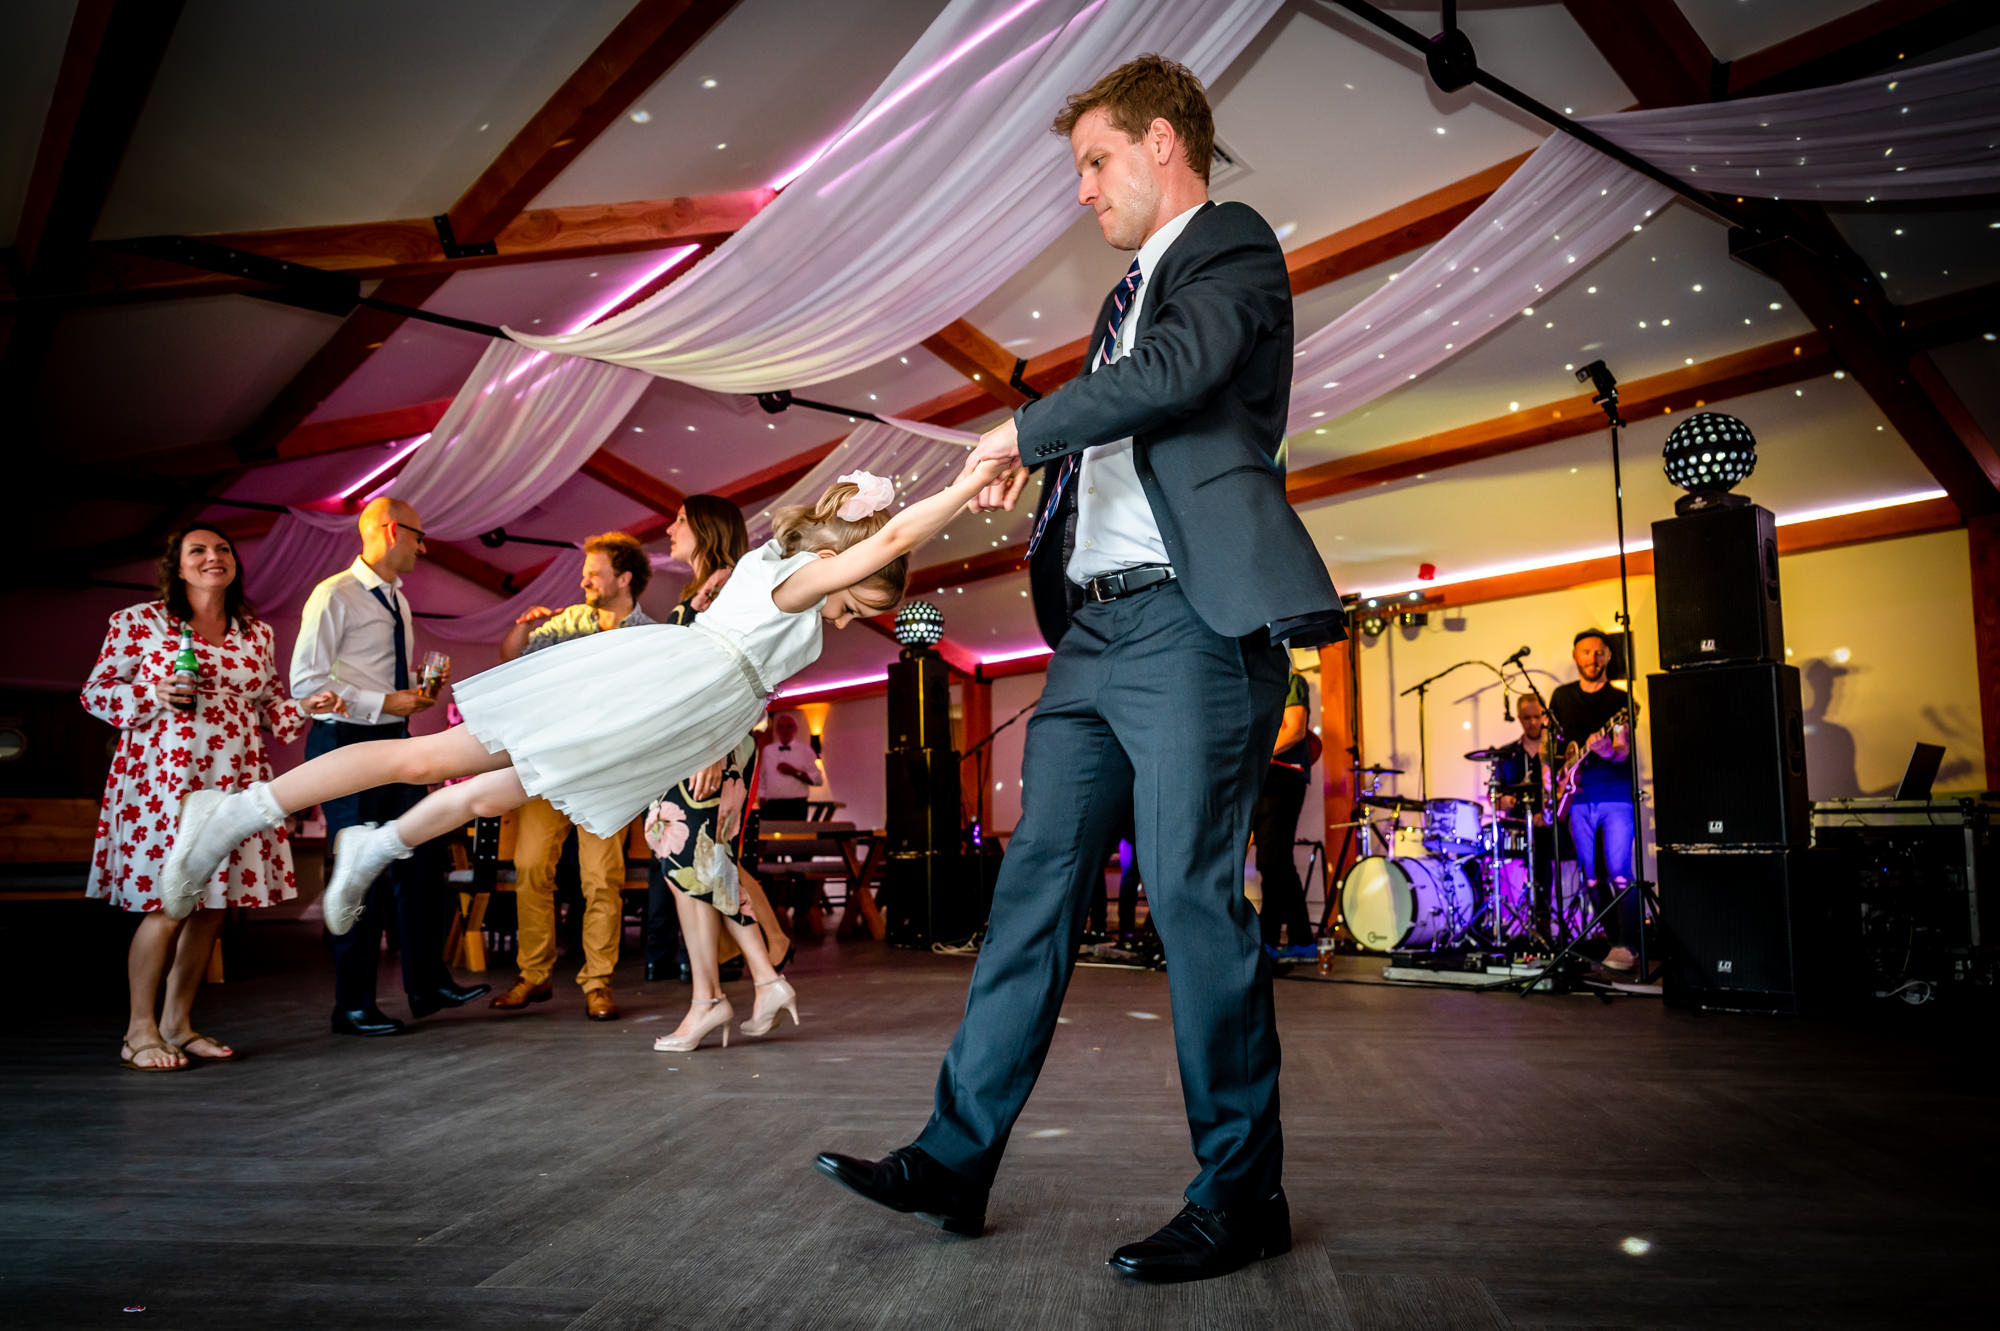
(356, 636)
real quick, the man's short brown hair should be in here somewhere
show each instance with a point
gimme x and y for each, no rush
(1141, 91)
(626, 556)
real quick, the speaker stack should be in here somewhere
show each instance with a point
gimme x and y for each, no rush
(1744, 906)
(932, 892)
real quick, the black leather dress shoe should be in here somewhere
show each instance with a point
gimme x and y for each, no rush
(443, 996)
(365, 1021)
(1199, 1243)
(909, 1180)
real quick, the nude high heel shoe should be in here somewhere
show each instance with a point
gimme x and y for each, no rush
(719, 1015)
(781, 997)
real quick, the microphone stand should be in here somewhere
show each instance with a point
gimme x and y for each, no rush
(1600, 377)
(991, 735)
(1422, 689)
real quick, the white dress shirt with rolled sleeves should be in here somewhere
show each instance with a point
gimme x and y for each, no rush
(1115, 527)
(347, 643)
(775, 785)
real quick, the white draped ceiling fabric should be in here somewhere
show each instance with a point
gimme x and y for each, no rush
(948, 182)
(1929, 132)
(523, 424)
(921, 459)
(944, 186)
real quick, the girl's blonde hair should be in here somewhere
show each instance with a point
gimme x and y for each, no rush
(821, 527)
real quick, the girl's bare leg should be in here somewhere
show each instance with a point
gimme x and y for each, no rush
(145, 963)
(420, 760)
(190, 968)
(448, 808)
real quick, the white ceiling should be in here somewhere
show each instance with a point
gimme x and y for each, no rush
(287, 115)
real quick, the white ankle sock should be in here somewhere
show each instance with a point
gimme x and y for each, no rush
(243, 815)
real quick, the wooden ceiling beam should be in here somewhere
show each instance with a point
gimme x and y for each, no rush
(647, 42)
(1855, 44)
(979, 358)
(114, 51)
(634, 482)
(1773, 365)
(1651, 46)
(1803, 251)
(409, 247)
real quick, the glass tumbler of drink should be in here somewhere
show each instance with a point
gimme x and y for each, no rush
(1326, 956)
(430, 675)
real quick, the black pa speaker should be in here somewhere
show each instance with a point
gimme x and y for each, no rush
(923, 800)
(1757, 931)
(930, 899)
(919, 702)
(1729, 757)
(1715, 578)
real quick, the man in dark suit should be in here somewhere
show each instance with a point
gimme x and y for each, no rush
(1167, 568)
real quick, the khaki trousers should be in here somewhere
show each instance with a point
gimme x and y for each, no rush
(538, 842)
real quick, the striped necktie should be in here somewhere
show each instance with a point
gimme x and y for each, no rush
(1121, 301)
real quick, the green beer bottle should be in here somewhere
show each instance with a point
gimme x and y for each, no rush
(187, 668)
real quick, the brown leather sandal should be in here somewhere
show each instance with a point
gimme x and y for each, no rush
(188, 1039)
(129, 1056)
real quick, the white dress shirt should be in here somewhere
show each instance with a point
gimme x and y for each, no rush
(775, 785)
(1115, 527)
(347, 643)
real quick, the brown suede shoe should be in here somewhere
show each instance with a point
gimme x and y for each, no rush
(599, 1006)
(524, 993)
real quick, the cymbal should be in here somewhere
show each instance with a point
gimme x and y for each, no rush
(1518, 788)
(1382, 771)
(1486, 755)
(1397, 802)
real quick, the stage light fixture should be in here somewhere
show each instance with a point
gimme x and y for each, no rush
(1374, 626)
(919, 624)
(1707, 455)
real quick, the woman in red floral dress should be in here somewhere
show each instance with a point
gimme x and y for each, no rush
(162, 754)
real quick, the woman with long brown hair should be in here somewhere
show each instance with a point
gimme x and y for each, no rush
(176, 736)
(712, 895)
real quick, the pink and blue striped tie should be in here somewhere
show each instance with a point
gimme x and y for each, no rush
(1121, 301)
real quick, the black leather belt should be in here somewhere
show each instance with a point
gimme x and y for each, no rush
(1123, 583)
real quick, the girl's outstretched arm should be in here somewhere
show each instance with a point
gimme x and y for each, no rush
(906, 531)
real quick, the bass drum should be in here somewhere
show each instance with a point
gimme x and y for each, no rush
(1387, 904)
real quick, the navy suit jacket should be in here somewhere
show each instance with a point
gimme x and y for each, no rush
(1203, 393)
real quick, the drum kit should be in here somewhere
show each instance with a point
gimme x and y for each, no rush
(1459, 873)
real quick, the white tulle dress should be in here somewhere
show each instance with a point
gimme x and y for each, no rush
(601, 725)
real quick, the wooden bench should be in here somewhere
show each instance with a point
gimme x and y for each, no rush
(815, 853)
(45, 851)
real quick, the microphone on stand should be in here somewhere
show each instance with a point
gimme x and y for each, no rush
(1506, 704)
(1515, 657)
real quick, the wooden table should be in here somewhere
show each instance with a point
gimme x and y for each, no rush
(861, 854)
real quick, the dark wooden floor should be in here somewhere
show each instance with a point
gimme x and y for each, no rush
(1455, 1160)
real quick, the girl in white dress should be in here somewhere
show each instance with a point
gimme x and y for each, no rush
(601, 724)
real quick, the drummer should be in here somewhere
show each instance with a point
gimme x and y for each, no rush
(1521, 764)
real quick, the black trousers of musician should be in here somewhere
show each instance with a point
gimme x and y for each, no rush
(414, 889)
(1142, 702)
(1277, 825)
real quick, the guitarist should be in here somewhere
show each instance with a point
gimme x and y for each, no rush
(1600, 813)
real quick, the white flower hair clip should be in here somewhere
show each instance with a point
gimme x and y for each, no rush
(872, 494)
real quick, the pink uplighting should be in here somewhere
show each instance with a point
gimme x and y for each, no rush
(399, 455)
(829, 685)
(1634, 546)
(1021, 655)
(903, 93)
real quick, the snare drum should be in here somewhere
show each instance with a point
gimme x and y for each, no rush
(1506, 838)
(1451, 827)
(1388, 904)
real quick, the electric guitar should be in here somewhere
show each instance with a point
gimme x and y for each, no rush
(1572, 762)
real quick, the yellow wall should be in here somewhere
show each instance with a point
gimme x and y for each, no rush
(1881, 633)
